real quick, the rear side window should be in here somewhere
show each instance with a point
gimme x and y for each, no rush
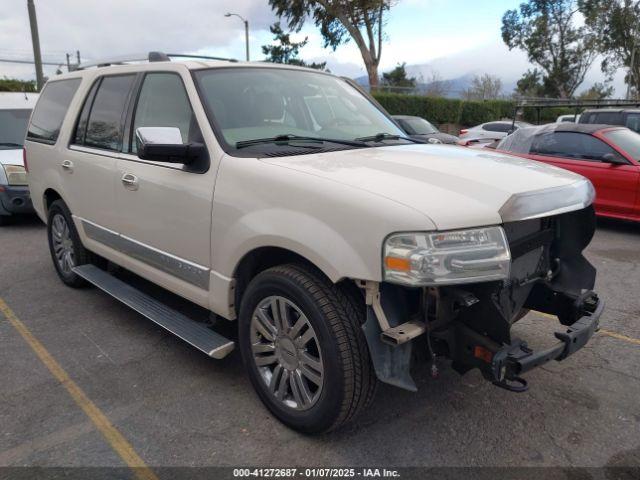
(606, 118)
(578, 146)
(163, 102)
(106, 119)
(50, 111)
(633, 121)
(518, 142)
(497, 127)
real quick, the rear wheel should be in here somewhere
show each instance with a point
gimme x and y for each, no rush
(301, 341)
(65, 245)
(5, 220)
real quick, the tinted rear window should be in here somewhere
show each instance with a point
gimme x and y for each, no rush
(606, 118)
(13, 126)
(633, 121)
(497, 127)
(50, 111)
(105, 124)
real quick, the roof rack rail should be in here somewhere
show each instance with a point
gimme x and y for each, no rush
(149, 57)
(200, 57)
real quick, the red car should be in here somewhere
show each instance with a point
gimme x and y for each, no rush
(608, 156)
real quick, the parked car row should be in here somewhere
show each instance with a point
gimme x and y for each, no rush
(15, 109)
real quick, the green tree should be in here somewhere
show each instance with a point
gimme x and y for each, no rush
(545, 30)
(14, 85)
(598, 91)
(398, 77)
(339, 21)
(286, 51)
(616, 26)
(485, 87)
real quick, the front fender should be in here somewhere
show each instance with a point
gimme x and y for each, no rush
(297, 232)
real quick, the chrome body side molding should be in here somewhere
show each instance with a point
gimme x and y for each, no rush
(185, 270)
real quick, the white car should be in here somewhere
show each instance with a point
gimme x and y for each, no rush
(573, 118)
(15, 109)
(491, 130)
(284, 200)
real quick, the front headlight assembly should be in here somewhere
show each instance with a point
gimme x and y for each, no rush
(16, 175)
(446, 258)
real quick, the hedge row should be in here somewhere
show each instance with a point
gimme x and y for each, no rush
(465, 113)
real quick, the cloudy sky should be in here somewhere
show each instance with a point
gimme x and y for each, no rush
(452, 38)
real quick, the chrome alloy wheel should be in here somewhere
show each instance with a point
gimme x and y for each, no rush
(62, 244)
(286, 352)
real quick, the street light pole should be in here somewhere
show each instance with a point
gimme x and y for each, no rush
(246, 30)
(35, 40)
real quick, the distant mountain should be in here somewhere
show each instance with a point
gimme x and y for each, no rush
(457, 84)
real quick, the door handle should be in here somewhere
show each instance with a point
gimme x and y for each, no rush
(67, 165)
(130, 181)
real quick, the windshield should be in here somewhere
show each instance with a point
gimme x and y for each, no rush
(13, 127)
(420, 126)
(625, 140)
(257, 103)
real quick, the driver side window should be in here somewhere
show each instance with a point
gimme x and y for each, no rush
(570, 145)
(163, 102)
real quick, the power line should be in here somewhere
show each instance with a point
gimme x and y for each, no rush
(30, 62)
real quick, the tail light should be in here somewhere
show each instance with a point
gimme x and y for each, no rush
(24, 159)
(463, 131)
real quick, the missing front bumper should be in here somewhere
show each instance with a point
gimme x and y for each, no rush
(511, 361)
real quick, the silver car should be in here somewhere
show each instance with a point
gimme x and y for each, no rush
(491, 130)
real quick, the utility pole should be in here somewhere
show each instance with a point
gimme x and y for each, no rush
(35, 40)
(246, 37)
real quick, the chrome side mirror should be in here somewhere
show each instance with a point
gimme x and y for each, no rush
(164, 144)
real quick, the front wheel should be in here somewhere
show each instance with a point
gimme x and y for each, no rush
(301, 341)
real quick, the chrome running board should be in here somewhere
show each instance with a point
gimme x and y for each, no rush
(192, 332)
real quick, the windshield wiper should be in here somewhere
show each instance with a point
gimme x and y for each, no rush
(286, 139)
(381, 137)
(10, 144)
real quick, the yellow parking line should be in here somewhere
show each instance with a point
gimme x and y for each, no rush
(99, 419)
(619, 336)
(602, 331)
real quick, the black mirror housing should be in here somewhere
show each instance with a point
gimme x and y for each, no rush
(614, 159)
(170, 153)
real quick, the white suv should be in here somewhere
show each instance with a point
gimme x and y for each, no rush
(15, 109)
(287, 200)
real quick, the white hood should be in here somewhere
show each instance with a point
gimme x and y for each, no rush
(455, 187)
(11, 156)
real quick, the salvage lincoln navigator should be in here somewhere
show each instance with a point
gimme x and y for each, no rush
(287, 200)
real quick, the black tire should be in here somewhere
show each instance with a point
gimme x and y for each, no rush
(349, 380)
(80, 255)
(6, 220)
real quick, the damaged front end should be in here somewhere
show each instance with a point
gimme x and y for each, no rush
(470, 323)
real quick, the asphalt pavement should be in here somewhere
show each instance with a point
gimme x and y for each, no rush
(174, 406)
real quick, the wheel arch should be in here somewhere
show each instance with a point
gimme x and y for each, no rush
(262, 258)
(49, 196)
